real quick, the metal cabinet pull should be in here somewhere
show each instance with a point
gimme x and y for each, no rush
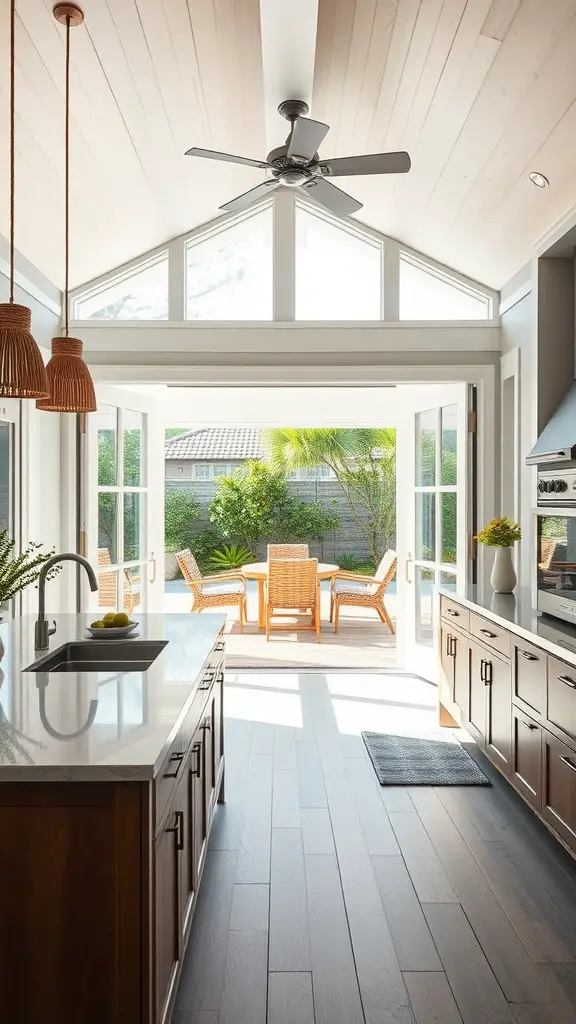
(448, 645)
(526, 725)
(219, 647)
(175, 759)
(527, 656)
(482, 667)
(487, 673)
(486, 632)
(207, 680)
(452, 646)
(178, 828)
(567, 681)
(451, 611)
(206, 725)
(197, 750)
(569, 764)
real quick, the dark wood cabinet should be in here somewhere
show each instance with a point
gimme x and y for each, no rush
(529, 673)
(527, 756)
(496, 676)
(167, 908)
(121, 863)
(559, 803)
(562, 696)
(476, 721)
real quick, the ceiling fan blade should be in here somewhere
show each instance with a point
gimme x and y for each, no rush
(332, 198)
(252, 196)
(372, 163)
(305, 138)
(212, 154)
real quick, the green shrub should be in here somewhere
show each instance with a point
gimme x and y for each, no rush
(355, 563)
(232, 556)
(181, 510)
(203, 546)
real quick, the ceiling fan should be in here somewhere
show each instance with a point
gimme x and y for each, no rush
(297, 165)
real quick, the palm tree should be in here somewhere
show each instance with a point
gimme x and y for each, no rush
(364, 463)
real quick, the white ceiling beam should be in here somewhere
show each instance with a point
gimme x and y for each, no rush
(288, 32)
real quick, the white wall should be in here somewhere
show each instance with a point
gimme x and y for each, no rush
(40, 433)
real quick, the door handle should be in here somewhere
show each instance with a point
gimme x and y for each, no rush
(569, 764)
(152, 561)
(526, 725)
(407, 565)
(486, 632)
(178, 828)
(197, 750)
(527, 656)
(567, 681)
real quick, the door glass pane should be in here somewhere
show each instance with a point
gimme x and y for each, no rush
(133, 524)
(107, 454)
(424, 580)
(448, 508)
(133, 584)
(426, 526)
(449, 450)
(229, 275)
(448, 580)
(338, 274)
(107, 592)
(132, 429)
(5, 476)
(426, 441)
(107, 528)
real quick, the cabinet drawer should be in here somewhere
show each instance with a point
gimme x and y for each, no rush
(488, 633)
(458, 615)
(530, 673)
(562, 696)
(527, 756)
(168, 777)
(560, 788)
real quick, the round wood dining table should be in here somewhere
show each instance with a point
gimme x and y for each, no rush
(259, 571)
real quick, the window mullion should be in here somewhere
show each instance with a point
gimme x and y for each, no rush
(284, 256)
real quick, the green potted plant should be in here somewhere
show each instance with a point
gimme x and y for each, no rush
(501, 534)
(20, 571)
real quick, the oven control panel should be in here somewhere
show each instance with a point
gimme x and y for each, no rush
(557, 487)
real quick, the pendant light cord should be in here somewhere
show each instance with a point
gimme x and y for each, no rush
(12, 153)
(67, 179)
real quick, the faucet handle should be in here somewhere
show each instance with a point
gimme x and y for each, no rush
(53, 630)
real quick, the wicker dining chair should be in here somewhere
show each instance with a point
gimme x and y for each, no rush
(293, 583)
(221, 590)
(288, 551)
(107, 596)
(350, 588)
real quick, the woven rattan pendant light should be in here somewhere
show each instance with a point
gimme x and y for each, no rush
(70, 386)
(22, 373)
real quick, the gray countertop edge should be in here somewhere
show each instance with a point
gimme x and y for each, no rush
(530, 636)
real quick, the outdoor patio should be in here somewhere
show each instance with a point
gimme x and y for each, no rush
(362, 641)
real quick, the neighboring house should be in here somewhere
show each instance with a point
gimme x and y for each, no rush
(205, 454)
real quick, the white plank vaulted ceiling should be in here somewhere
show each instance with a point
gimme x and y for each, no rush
(480, 92)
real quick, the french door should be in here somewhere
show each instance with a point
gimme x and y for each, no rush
(123, 502)
(433, 514)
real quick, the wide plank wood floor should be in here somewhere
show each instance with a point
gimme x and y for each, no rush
(328, 899)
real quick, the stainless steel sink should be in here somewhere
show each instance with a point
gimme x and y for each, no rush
(101, 656)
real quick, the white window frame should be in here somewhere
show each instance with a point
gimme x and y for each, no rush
(109, 280)
(449, 277)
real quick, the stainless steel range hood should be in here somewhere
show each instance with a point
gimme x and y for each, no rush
(557, 442)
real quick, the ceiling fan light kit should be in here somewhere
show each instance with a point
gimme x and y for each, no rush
(297, 165)
(71, 388)
(22, 371)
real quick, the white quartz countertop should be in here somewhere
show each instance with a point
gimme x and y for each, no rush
(516, 612)
(96, 726)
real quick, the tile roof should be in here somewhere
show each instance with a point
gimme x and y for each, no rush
(213, 443)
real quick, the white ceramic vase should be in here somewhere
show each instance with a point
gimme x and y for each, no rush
(503, 578)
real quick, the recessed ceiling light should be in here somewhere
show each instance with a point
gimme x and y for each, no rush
(540, 180)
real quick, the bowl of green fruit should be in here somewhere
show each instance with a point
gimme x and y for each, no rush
(114, 625)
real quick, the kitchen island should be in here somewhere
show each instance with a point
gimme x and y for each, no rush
(109, 780)
(508, 674)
